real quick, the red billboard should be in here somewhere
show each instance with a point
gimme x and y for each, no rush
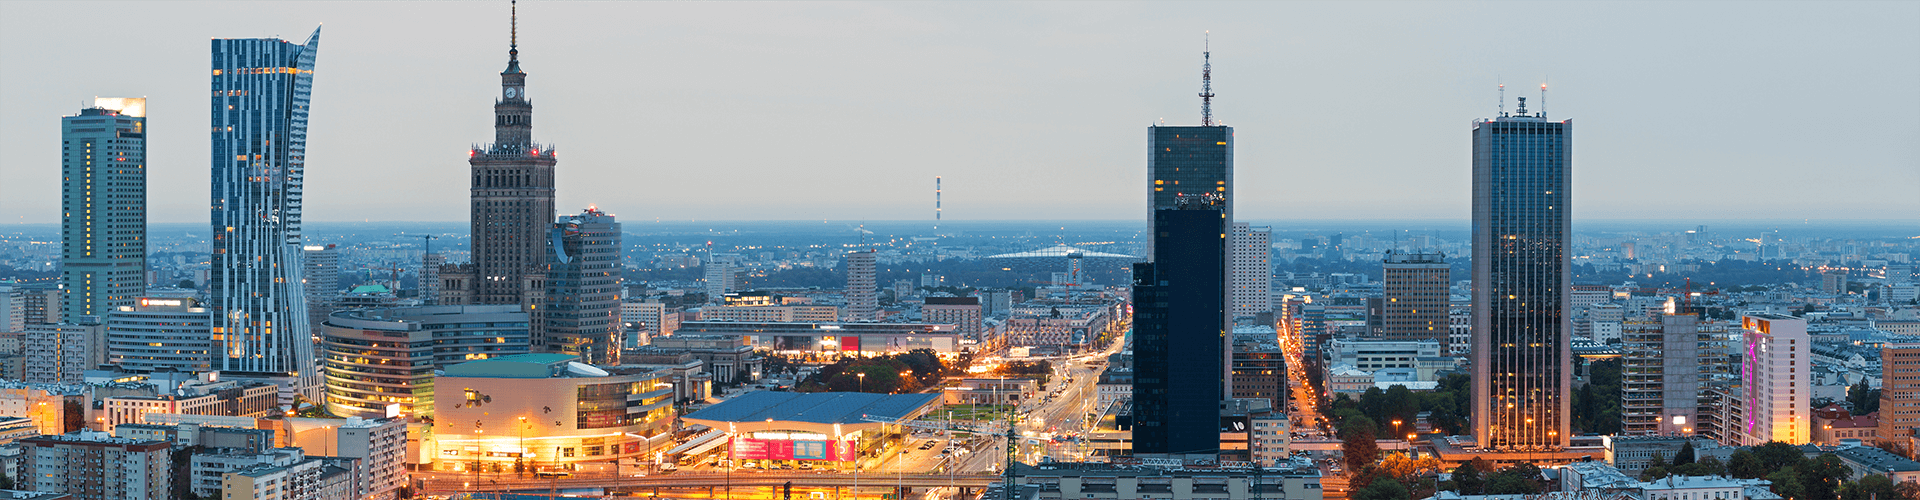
(849, 343)
(791, 449)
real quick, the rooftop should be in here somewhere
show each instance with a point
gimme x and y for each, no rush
(1059, 251)
(534, 365)
(815, 407)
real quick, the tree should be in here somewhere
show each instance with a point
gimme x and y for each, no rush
(187, 284)
(1359, 448)
(1657, 461)
(1822, 477)
(1385, 488)
(1708, 466)
(1775, 455)
(1653, 473)
(1871, 487)
(1864, 400)
(1685, 455)
(1786, 483)
(1907, 490)
(1744, 465)
(1469, 478)
(1517, 479)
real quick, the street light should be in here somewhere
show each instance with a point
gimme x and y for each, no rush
(863, 381)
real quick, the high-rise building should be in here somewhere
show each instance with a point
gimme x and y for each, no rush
(61, 353)
(863, 289)
(721, 276)
(1661, 374)
(363, 347)
(582, 311)
(512, 198)
(261, 91)
(963, 312)
(1413, 302)
(103, 206)
(1899, 389)
(1252, 274)
(161, 332)
(1522, 354)
(1775, 380)
(322, 273)
(13, 307)
(1180, 305)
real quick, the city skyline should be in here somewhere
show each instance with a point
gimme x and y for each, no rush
(1309, 96)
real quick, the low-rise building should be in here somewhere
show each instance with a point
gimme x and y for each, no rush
(991, 391)
(310, 479)
(1867, 460)
(375, 450)
(729, 358)
(1076, 480)
(206, 396)
(93, 465)
(1834, 424)
(546, 410)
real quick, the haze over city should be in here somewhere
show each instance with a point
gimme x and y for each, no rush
(1028, 111)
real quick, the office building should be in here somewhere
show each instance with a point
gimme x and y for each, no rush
(206, 396)
(103, 206)
(646, 320)
(39, 303)
(1660, 375)
(582, 311)
(1180, 311)
(1184, 162)
(1290, 479)
(963, 312)
(380, 362)
(261, 91)
(1413, 303)
(547, 409)
(1252, 273)
(1899, 389)
(61, 354)
(95, 466)
(161, 333)
(322, 273)
(722, 276)
(771, 313)
(1260, 372)
(1775, 381)
(512, 199)
(863, 289)
(1522, 353)
(13, 307)
(375, 450)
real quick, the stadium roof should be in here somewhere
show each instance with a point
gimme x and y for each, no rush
(815, 407)
(1058, 251)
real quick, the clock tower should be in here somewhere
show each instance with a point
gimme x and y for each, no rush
(512, 200)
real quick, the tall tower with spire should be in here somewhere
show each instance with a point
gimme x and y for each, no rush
(512, 197)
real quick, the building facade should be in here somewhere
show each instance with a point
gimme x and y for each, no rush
(262, 88)
(1775, 379)
(95, 466)
(582, 311)
(963, 312)
(62, 354)
(1414, 298)
(323, 283)
(1180, 327)
(1899, 390)
(544, 410)
(161, 333)
(1252, 270)
(103, 206)
(863, 287)
(380, 362)
(1522, 354)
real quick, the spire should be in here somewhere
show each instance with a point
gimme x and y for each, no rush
(1206, 83)
(513, 38)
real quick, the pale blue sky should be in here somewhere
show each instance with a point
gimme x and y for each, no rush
(797, 110)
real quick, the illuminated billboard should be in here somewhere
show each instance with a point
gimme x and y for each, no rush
(791, 449)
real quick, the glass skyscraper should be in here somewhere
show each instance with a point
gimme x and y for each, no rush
(261, 88)
(1180, 321)
(103, 208)
(1188, 161)
(1522, 357)
(582, 314)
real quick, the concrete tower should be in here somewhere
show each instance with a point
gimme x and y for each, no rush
(512, 197)
(863, 289)
(103, 204)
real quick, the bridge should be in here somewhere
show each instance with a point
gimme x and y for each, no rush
(705, 480)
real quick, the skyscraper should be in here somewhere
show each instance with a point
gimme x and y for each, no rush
(103, 206)
(582, 310)
(261, 88)
(1180, 319)
(1414, 297)
(863, 291)
(322, 273)
(1521, 350)
(512, 197)
(1772, 380)
(1252, 274)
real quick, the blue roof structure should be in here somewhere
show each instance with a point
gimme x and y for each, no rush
(815, 407)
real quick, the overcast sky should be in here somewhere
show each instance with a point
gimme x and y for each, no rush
(797, 110)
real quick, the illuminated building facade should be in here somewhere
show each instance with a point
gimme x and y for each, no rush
(380, 362)
(1180, 322)
(1899, 389)
(1414, 302)
(103, 207)
(1522, 354)
(323, 283)
(1775, 380)
(161, 332)
(544, 410)
(581, 315)
(863, 287)
(261, 91)
(823, 429)
(512, 199)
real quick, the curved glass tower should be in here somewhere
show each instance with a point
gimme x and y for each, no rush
(261, 88)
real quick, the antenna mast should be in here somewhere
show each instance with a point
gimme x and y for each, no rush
(1543, 99)
(936, 203)
(1206, 83)
(1503, 99)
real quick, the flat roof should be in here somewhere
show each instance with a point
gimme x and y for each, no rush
(815, 407)
(534, 365)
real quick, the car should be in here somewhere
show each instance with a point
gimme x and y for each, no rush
(750, 465)
(806, 466)
(554, 474)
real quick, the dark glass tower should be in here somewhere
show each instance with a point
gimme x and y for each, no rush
(512, 198)
(1522, 378)
(1188, 161)
(261, 87)
(1180, 330)
(582, 313)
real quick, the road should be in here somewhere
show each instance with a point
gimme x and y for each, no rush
(740, 479)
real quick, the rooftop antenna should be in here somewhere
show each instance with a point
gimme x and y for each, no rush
(1503, 99)
(936, 203)
(1206, 83)
(1522, 111)
(1543, 99)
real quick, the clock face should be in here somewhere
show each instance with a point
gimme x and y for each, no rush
(512, 92)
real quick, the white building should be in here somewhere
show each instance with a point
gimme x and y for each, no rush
(1774, 371)
(1251, 276)
(863, 292)
(160, 332)
(61, 354)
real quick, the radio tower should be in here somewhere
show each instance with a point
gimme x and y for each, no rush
(1206, 84)
(936, 203)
